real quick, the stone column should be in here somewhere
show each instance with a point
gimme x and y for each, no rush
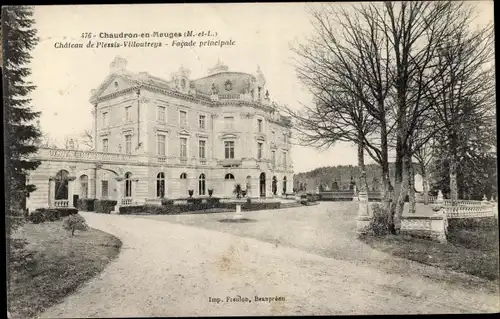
(52, 191)
(71, 190)
(119, 186)
(134, 191)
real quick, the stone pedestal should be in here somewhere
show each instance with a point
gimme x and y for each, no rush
(363, 219)
(238, 214)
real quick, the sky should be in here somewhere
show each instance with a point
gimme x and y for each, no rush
(262, 35)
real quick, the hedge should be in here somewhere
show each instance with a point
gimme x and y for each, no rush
(41, 215)
(86, 204)
(104, 206)
(211, 203)
(471, 223)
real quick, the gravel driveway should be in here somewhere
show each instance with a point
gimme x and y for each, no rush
(167, 269)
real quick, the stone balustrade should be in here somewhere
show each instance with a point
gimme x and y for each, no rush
(471, 211)
(61, 203)
(79, 155)
(126, 201)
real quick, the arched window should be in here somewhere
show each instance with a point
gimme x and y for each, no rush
(249, 183)
(128, 185)
(183, 176)
(160, 185)
(201, 185)
(84, 186)
(229, 176)
(284, 185)
(62, 178)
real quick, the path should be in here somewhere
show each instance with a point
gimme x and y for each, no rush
(168, 269)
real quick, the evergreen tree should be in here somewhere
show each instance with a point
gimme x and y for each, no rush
(20, 135)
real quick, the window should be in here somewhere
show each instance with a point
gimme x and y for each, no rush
(127, 113)
(183, 147)
(273, 136)
(229, 149)
(201, 185)
(273, 158)
(284, 159)
(284, 185)
(160, 185)
(160, 144)
(183, 118)
(259, 150)
(105, 122)
(128, 144)
(84, 186)
(161, 114)
(201, 148)
(183, 176)
(202, 121)
(61, 187)
(228, 122)
(104, 189)
(128, 185)
(105, 145)
(229, 176)
(284, 138)
(259, 125)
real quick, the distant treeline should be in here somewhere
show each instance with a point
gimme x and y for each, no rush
(342, 177)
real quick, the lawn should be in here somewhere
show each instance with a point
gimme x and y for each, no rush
(61, 263)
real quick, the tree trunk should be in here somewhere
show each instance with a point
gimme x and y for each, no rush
(72, 232)
(386, 182)
(453, 170)
(411, 191)
(403, 191)
(426, 187)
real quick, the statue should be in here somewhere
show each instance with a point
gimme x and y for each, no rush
(439, 196)
(215, 89)
(267, 94)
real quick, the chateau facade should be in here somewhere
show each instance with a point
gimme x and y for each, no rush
(156, 138)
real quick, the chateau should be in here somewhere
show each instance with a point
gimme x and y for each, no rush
(155, 138)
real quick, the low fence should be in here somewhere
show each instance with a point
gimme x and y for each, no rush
(347, 196)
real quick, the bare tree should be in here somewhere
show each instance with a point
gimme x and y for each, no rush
(87, 139)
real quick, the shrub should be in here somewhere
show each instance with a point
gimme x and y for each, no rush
(165, 201)
(137, 209)
(190, 192)
(86, 204)
(37, 217)
(75, 222)
(66, 211)
(210, 192)
(104, 206)
(472, 223)
(19, 255)
(378, 224)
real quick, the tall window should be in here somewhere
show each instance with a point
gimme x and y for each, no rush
(84, 186)
(201, 185)
(161, 114)
(229, 149)
(105, 145)
(62, 179)
(259, 125)
(284, 159)
(273, 158)
(273, 136)
(105, 122)
(183, 118)
(201, 148)
(183, 176)
(160, 185)
(161, 144)
(284, 138)
(259, 150)
(128, 144)
(128, 185)
(183, 147)
(104, 189)
(127, 113)
(202, 121)
(284, 185)
(228, 122)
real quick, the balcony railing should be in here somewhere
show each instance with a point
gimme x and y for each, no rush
(47, 153)
(230, 96)
(60, 203)
(162, 159)
(127, 201)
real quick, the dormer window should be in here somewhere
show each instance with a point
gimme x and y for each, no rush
(183, 83)
(116, 85)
